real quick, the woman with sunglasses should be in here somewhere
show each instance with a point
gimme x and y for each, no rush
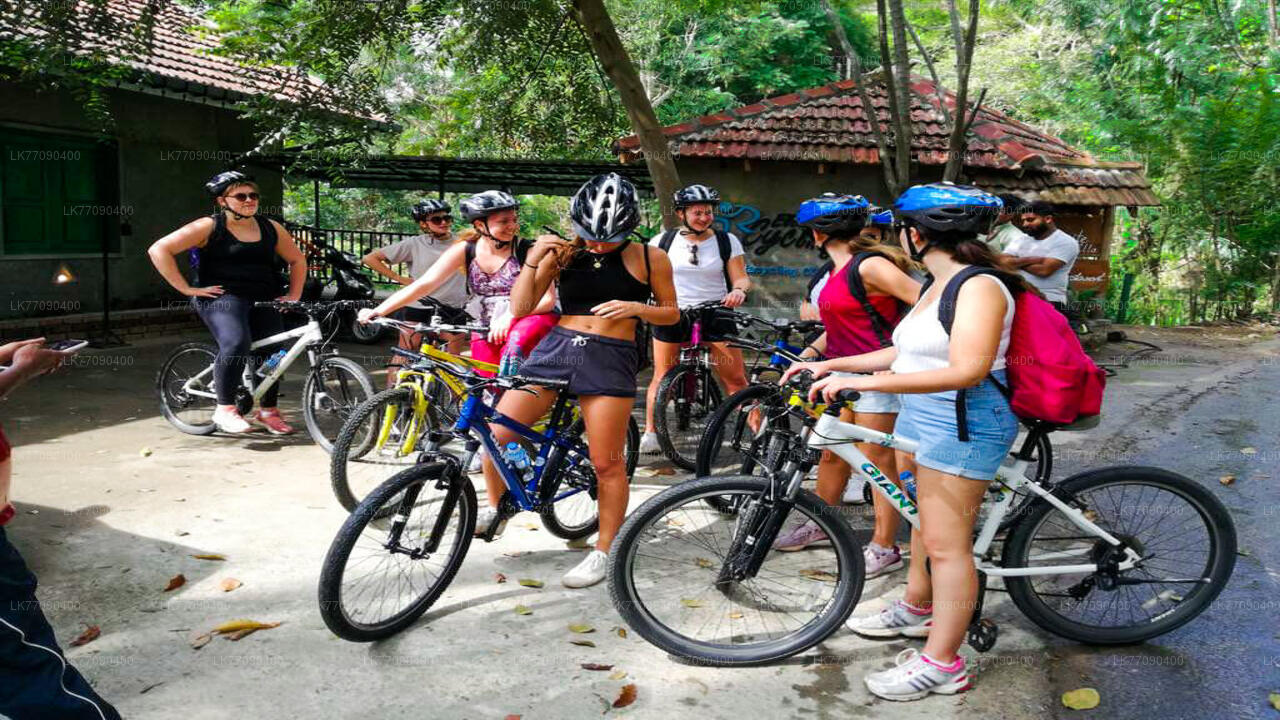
(421, 252)
(234, 253)
(708, 265)
(604, 282)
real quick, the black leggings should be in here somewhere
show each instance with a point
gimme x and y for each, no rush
(235, 323)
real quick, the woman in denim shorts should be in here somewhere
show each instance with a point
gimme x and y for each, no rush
(941, 225)
(857, 321)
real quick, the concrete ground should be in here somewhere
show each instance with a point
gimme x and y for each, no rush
(113, 502)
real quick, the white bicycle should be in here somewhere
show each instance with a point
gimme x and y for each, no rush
(1109, 556)
(334, 385)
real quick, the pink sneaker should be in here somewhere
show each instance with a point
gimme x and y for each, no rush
(273, 422)
(881, 561)
(801, 537)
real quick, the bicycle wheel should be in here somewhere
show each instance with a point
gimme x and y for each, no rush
(382, 437)
(667, 575)
(397, 552)
(332, 391)
(735, 439)
(571, 477)
(189, 413)
(1183, 533)
(685, 400)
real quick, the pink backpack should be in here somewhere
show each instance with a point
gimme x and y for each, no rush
(1051, 379)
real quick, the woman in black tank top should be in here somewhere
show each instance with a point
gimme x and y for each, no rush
(234, 257)
(605, 283)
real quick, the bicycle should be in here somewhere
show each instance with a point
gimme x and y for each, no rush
(1120, 580)
(401, 527)
(333, 387)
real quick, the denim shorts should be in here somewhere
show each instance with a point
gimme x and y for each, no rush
(870, 401)
(930, 420)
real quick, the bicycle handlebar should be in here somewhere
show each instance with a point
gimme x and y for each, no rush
(313, 308)
(435, 327)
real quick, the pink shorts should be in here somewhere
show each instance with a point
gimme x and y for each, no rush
(529, 330)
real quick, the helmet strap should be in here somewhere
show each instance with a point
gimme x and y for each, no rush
(497, 244)
(917, 255)
(237, 215)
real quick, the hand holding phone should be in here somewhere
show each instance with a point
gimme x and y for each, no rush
(70, 345)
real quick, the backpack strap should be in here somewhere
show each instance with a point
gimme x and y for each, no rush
(470, 254)
(648, 271)
(853, 277)
(725, 247)
(947, 317)
(667, 238)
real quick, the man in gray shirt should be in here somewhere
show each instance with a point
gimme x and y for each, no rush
(421, 252)
(1044, 255)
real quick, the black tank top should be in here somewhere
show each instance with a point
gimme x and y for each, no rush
(241, 268)
(583, 285)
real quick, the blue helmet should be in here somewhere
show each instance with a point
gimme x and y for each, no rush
(947, 207)
(833, 213)
(881, 218)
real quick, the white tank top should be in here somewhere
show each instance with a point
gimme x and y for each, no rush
(923, 344)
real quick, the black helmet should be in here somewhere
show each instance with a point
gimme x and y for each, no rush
(605, 209)
(486, 204)
(695, 195)
(421, 210)
(219, 183)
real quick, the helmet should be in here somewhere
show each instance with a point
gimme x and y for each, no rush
(948, 207)
(421, 210)
(219, 183)
(486, 204)
(881, 218)
(695, 195)
(833, 213)
(605, 209)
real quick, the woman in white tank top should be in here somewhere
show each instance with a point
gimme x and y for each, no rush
(941, 225)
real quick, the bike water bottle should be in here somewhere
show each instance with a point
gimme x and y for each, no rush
(271, 363)
(516, 456)
(908, 483)
(511, 357)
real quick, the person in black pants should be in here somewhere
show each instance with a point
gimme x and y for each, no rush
(234, 252)
(36, 681)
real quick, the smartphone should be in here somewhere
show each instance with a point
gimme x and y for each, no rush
(69, 345)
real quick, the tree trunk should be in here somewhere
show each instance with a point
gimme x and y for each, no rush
(873, 118)
(1273, 28)
(901, 92)
(964, 41)
(595, 21)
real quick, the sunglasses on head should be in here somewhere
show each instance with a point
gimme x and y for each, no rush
(243, 197)
(440, 218)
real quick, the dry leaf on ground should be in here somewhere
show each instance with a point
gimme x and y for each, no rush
(597, 667)
(582, 629)
(229, 584)
(523, 610)
(201, 640)
(529, 582)
(236, 625)
(626, 696)
(1081, 699)
(176, 582)
(91, 633)
(210, 556)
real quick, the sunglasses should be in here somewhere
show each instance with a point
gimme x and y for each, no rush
(693, 255)
(440, 219)
(245, 197)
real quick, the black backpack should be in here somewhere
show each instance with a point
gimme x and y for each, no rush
(859, 292)
(722, 242)
(520, 250)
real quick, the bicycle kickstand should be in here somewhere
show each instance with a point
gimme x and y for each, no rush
(983, 632)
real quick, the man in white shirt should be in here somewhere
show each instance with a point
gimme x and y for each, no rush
(1045, 254)
(1005, 231)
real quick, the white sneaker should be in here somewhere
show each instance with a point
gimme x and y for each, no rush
(485, 518)
(649, 444)
(853, 491)
(590, 571)
(477, 462)
(898, 619)
(230, 421)
(916, 676)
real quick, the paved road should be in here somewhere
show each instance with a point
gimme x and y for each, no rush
(106, 526)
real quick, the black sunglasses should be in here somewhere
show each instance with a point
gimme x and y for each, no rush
(440, 218)
(693, 254)
(243, 197)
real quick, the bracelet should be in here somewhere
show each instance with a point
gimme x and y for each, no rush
(535, 267)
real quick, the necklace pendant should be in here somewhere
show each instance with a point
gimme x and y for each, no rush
(596, 263)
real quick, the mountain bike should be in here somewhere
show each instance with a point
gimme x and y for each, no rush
(334, 385)
(687, 393)
(401, 546)
(1110, 556)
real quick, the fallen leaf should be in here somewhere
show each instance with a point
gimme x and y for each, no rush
(1227, 479)
(499, 578)
(1249, 450)
(182, 533)
(1243, 553)
(582, 643)
(1090, 515)
(236, 625)
(523, 610)
(618, 675)
(820, 575)
(240, 634)
(229, 584)
(91, 633)
(626, 696)
(702, 562)
(145, 452)
(176, 582)
(512, 717)
(690, 603)
(516, 553)
(581, 629)
(735, 615)
(529, 582)
(597, 667)
(1081, 699)
(664, 471)
(1275, 700)
(622, 632)
(149, 688)
(210, 556)
(201, 640)
(673, 522)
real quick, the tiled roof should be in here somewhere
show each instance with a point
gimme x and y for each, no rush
(830, 124)
(178, 59)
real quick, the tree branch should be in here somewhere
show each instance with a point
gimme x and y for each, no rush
(933, 73)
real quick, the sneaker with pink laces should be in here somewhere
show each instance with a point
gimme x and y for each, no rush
(801, 537)
(273, 421)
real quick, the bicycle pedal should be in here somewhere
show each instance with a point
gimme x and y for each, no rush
(983, 635)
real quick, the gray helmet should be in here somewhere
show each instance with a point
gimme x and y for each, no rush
(420, 211)
(219, 183)
(486, 204)
(605, 209)
(696, 195)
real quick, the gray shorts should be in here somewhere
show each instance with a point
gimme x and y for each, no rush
(592, 364)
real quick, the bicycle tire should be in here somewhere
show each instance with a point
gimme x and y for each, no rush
(631, 605)
(168, 394)
(684, 458)
(318, 420)
(1217, 568)
(553, 479)
(356, 440)
(332, 572)
(764, 446)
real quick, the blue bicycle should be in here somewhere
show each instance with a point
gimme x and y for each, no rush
(402, 545)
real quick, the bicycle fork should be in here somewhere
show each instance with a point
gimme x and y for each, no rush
(449, 481)
(760, 521)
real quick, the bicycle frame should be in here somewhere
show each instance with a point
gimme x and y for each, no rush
(830, 433)
(307, 337)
